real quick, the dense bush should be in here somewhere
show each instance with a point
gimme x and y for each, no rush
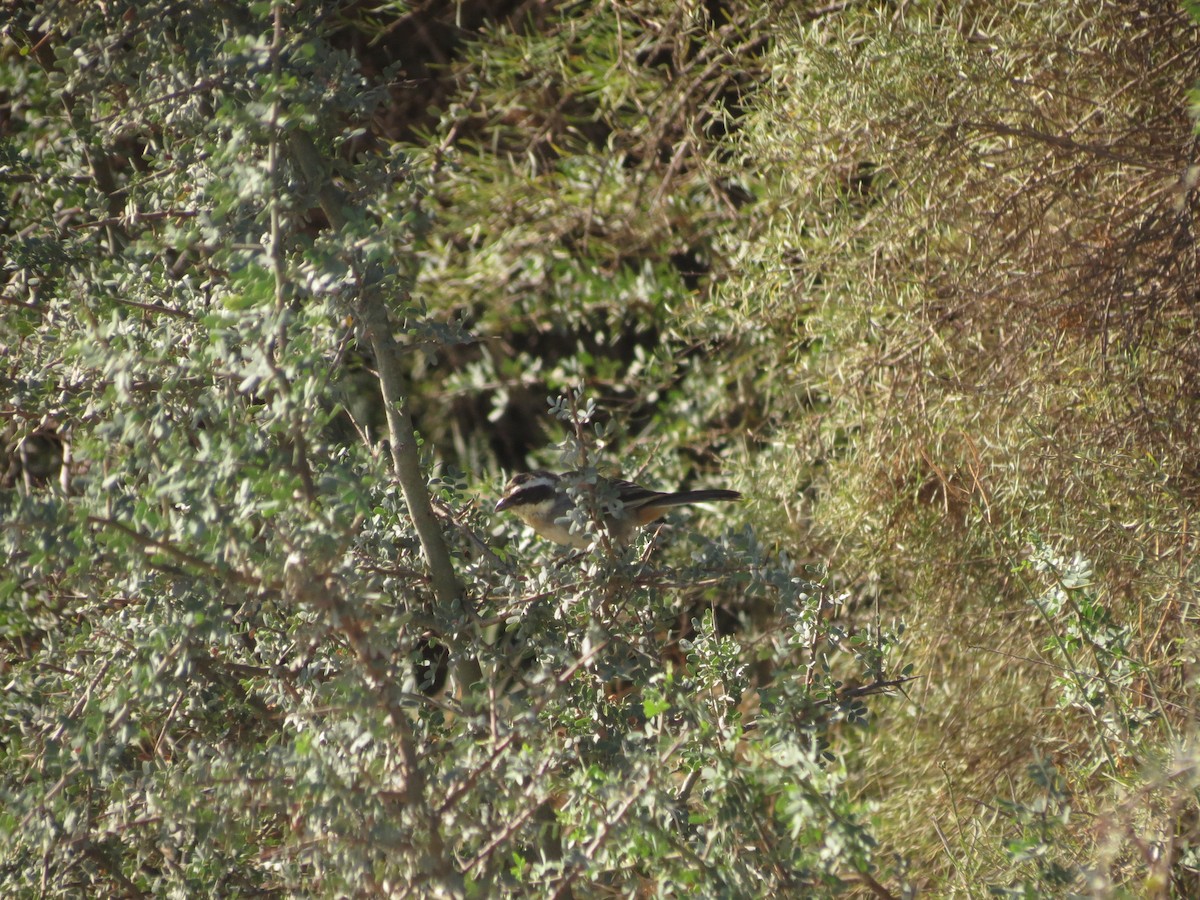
(286, 289)
(261, 636)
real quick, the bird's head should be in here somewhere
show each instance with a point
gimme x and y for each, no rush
(529, 491)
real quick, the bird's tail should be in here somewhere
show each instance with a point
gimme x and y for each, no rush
(681, 497)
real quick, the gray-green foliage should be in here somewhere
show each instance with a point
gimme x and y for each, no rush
(216, 621)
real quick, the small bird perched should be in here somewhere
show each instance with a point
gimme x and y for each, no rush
(540, 499)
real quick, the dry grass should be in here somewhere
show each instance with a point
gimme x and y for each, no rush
(1002, 325)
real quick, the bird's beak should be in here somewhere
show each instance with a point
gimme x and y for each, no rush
(504, 503)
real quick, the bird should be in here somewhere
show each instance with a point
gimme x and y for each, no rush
(541, 500)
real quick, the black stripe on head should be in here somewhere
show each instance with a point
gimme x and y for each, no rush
(530, 495)
(534, 493)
